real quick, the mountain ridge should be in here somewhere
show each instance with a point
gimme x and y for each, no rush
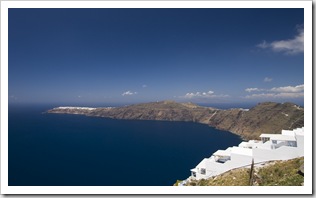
(266, 117)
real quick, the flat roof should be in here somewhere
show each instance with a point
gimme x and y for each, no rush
(279, 137)
(299, 131)
(222, 153)
(288, 132)
(193, 170)
(242, 151)
(283, 137)
(243, 144)
(266, 135)
(250, 143)
(203, 163)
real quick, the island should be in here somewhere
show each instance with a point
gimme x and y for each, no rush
(266, 117)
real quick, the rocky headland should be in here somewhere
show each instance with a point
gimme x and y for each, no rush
(267, 117)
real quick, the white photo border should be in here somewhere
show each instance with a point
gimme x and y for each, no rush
(306, 189)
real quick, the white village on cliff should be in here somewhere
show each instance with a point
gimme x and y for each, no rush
(287, 145)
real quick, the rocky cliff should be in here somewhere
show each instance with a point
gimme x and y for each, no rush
(268, 117)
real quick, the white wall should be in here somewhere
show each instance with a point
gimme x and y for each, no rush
(282, 153)
(300, 144)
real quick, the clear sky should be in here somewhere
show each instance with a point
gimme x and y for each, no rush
(96, 56)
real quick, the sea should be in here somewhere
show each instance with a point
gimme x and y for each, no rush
(77, 150)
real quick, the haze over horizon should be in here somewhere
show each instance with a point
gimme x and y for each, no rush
(208, 56)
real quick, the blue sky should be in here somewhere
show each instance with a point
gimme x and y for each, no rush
(100, 56)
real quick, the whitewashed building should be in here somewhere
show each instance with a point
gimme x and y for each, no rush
(287, 145)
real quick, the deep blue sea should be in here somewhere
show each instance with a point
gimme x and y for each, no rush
(75, 150)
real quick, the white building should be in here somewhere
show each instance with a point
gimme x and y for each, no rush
(284, 146)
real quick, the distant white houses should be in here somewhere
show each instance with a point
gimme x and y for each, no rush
(287, 145)
(76, 108)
